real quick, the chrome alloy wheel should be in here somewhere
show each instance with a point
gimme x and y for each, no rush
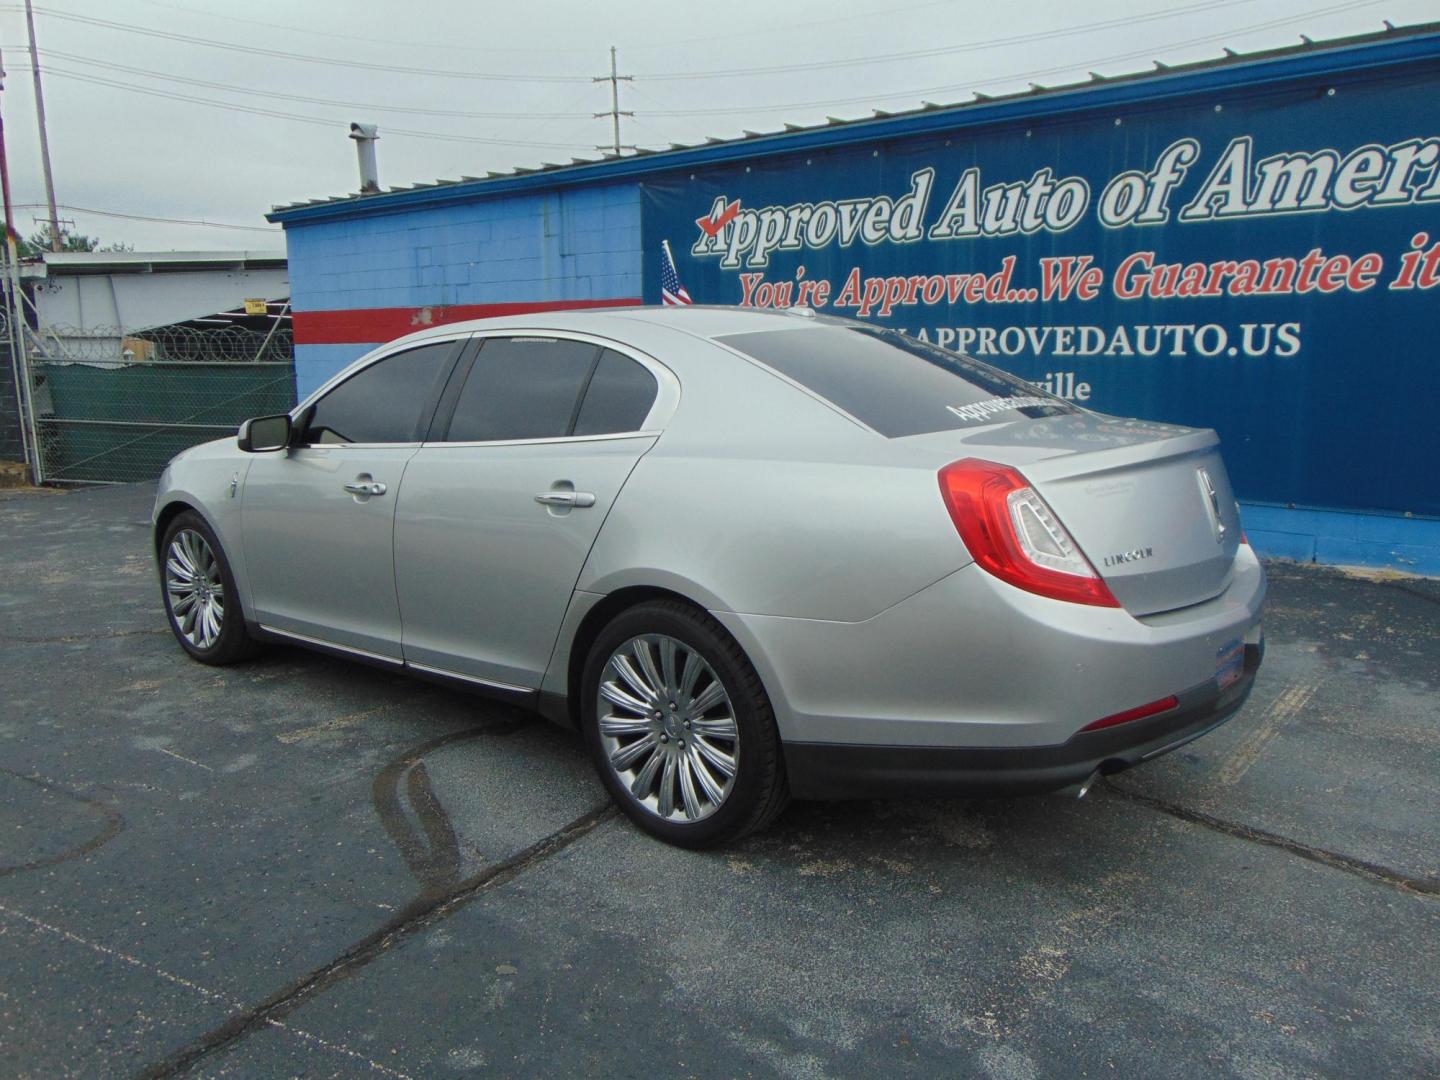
(194, 588)
(668, 728)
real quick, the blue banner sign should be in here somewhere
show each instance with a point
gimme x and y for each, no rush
(1266, 263)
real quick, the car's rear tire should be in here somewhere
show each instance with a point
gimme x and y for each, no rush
(201, 600)
(700, 764)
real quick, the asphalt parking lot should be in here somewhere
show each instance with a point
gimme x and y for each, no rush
(305, 867)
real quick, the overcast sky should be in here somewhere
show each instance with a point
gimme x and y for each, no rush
(162, 153)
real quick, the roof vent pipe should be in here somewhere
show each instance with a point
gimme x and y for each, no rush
(365, 136)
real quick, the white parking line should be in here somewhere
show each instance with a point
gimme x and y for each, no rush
(182, 757)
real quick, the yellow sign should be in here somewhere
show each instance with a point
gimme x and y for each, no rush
(256, 307)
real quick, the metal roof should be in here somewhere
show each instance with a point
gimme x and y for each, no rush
(147, 262)
(1355, 54)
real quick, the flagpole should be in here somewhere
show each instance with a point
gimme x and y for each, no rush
(670, 259)
(671, 289)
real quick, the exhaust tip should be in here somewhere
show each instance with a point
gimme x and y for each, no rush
(1085, 787)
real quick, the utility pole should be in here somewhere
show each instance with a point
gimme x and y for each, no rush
(5, 170)
(14, 311)
(44, 139)
(614, 79)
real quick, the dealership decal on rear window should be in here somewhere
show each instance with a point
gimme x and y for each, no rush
(978, 411)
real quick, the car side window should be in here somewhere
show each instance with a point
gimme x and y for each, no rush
(618, 398)
(383, 403)
(522, 388)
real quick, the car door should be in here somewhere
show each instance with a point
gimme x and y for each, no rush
(317, 520)
(497, 517)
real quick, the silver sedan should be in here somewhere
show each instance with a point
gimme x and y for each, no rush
(748, 555)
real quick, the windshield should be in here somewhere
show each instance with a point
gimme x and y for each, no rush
(896, 384)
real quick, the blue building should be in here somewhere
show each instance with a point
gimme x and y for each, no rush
(1251, 244)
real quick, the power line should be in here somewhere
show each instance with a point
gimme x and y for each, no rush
(770, 28)
(332, 61)
(1206, 5)
(148, 217)
(1074, 65)
(298, 118)
(732, 110)
(388, 42)
(707, 39)
(948, 50)
(371, 107)
(443, 136)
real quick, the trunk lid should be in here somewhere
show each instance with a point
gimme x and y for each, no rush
(1149, 504)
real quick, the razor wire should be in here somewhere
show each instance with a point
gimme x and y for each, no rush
(178, 343)
(114, 406)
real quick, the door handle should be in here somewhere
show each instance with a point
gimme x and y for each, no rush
(581, 499)
(366, 487)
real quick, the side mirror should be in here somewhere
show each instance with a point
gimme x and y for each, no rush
(264, 433)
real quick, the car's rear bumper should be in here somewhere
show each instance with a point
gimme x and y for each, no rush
(973, 662)
(848, 770)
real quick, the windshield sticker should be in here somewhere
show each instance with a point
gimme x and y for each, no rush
(979, 411)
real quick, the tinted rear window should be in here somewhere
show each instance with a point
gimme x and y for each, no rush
(618, 398)
(894, 383)
(522, 388)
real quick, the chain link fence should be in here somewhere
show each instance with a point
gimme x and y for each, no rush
(112, 406)
(13, 446)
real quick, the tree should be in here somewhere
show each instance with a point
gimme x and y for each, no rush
(39, 243)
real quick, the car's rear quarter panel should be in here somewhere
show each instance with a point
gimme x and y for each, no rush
(767, 500)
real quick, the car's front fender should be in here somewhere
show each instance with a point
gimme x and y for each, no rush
(209, 479)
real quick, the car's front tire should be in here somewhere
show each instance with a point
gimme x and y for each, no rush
(201, 600)
(680, 727)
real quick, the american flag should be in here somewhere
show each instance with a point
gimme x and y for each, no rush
(671, 291)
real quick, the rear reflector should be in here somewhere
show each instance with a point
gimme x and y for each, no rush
(1012, 533)
(1137, 713)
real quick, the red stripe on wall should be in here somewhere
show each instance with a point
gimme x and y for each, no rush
(370, 326)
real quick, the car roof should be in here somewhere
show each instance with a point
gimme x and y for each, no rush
(713, 320)
(700, 320)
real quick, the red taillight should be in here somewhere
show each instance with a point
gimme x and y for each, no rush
(1014, 535)
(1137, 713)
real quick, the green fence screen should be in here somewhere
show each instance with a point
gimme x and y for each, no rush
(123, 421)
